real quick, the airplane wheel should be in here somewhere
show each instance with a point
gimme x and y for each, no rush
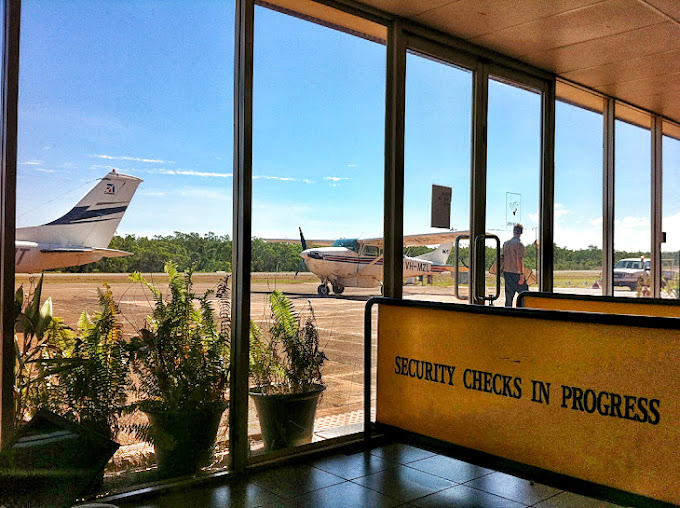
(338, 289)
(323, 290)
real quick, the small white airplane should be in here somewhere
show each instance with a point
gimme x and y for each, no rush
(359, 262)
(80, 236)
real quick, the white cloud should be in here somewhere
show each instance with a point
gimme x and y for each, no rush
(43, 170)
(191, 172)
(306, 180)
(351, 165)
(281, 178)
(127, 158)
(334, 178)
(47, 148)
(153, 194)
(31, 163)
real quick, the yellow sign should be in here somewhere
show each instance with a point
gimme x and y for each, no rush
(593, 401)
(608, 305)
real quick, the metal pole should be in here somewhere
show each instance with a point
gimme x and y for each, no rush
(547, 221)
(241, 248)
(608, 200)
(395, 98)
(8, 179)
(480, 107)
(657, 203)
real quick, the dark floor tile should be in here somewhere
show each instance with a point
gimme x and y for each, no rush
(352, 466)
(571, 500)
(451, 469)
(513, 488)
(292, 481)
(239, 495)
(465, 497)
(343, 495)
(400, 453)
(404, 483)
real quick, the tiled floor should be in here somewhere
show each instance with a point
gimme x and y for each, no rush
(388, 476)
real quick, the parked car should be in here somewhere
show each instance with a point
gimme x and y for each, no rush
(630, 272)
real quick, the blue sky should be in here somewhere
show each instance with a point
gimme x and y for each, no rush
(147, 88)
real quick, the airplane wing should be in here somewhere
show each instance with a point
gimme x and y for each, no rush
(310, 243)
(107, 253)
(419, 239)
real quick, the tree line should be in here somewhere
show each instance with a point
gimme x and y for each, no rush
(212, 253)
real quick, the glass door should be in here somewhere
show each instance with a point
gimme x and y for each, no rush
(513, 176)
(474, 132)
(437, 162)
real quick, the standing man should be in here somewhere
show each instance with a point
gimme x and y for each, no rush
(513, 266)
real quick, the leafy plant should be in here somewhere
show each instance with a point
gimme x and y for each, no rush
(36, 331)
(89, 376)
(290, 360)
(180, 360)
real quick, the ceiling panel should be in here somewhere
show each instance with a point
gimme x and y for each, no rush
(656, 64)
(474, 18)
(627, 48)
(579, 25)
(620, 47)
(407, 8)
(640, 88)
(669, 7)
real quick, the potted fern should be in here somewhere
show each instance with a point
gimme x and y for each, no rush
(180, 363)
(82, 375)
(286, 369)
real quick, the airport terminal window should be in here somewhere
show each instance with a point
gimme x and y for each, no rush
(670, 250)
(318, 165)
(513, 168)
(632, 202)
(578, 199)
(437, 151)
(144, 88)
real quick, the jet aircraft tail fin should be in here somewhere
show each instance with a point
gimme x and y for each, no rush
(440, 255)
(93, 221)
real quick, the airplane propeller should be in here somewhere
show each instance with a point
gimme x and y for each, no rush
(302, 240)
(301, 264)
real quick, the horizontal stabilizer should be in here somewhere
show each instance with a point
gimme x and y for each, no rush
(111, 253)
(105, 253)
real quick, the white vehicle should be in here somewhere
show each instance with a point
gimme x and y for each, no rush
(634, 272)
(83, 234)
(359, 262)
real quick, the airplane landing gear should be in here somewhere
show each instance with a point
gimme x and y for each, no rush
(323, 290)
(338, 289)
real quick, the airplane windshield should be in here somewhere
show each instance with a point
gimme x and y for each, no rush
(349, 243)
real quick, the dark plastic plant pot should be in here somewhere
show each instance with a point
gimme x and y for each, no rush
(286, 419)
(184, 440)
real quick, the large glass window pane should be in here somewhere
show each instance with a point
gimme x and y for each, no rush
(437, 153)
(578, 199)
(144, 88)
(513, 173)
(632, 205)
(670, 251)
(318, 128)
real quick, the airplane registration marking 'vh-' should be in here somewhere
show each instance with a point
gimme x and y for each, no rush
(418, 266)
